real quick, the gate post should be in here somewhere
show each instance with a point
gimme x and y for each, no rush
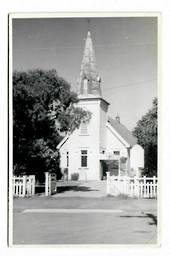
(107, 183)
(24, 185)
(154, 186)
(49, 184)
(33, 185)
(46, 183)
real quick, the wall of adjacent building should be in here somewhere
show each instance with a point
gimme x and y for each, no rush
(137, 157)
(114, 144)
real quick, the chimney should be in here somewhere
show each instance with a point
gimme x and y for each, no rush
(117, 118)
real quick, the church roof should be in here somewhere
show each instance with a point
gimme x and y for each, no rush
(123, 131)
(88, 71)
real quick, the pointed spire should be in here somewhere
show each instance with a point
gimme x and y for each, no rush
(88, 65)
(89, 83)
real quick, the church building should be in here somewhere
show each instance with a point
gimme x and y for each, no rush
(104, 144)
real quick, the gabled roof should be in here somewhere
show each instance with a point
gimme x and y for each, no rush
(118, 127)
(62, 141)
(123, 131)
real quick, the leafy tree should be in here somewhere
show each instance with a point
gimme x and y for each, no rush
(43, 111)
(146, 133)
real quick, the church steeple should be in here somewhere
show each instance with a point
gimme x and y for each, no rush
(89, 83)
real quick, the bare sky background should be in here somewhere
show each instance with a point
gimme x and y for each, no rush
(125, 49)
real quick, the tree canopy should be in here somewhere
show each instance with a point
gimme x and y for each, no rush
(146, 133)
(43, 110)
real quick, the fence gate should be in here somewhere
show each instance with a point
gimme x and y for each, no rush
(23, 185)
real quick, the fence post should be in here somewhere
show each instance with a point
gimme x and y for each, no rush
(49, 184)
(154, 186)
(33, 185)
(144, 186)
(107, 183)
(135, 187)
(46, 183)
(28, 185)
(125, 185)
(53, 183)
(24, 184)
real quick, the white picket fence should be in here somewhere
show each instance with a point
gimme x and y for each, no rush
(133, 187)
(23, 185)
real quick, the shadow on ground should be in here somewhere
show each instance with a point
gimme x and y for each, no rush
(152, 217)
(74, 188)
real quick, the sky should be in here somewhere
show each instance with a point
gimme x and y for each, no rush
(125, 50)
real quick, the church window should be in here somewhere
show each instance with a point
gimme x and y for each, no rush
(83, 158)
(67, 159)
(83, 129)
(116, 153)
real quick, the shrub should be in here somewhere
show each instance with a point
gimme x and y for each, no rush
(75, 176)
(65, 173)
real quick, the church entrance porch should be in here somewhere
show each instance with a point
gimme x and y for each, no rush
(115, 167)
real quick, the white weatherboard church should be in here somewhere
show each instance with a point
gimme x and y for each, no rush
(103, 144)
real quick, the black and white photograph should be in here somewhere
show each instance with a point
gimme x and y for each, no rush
(83, 129)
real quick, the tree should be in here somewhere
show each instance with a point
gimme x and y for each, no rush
(43, 110)
(146, 133)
